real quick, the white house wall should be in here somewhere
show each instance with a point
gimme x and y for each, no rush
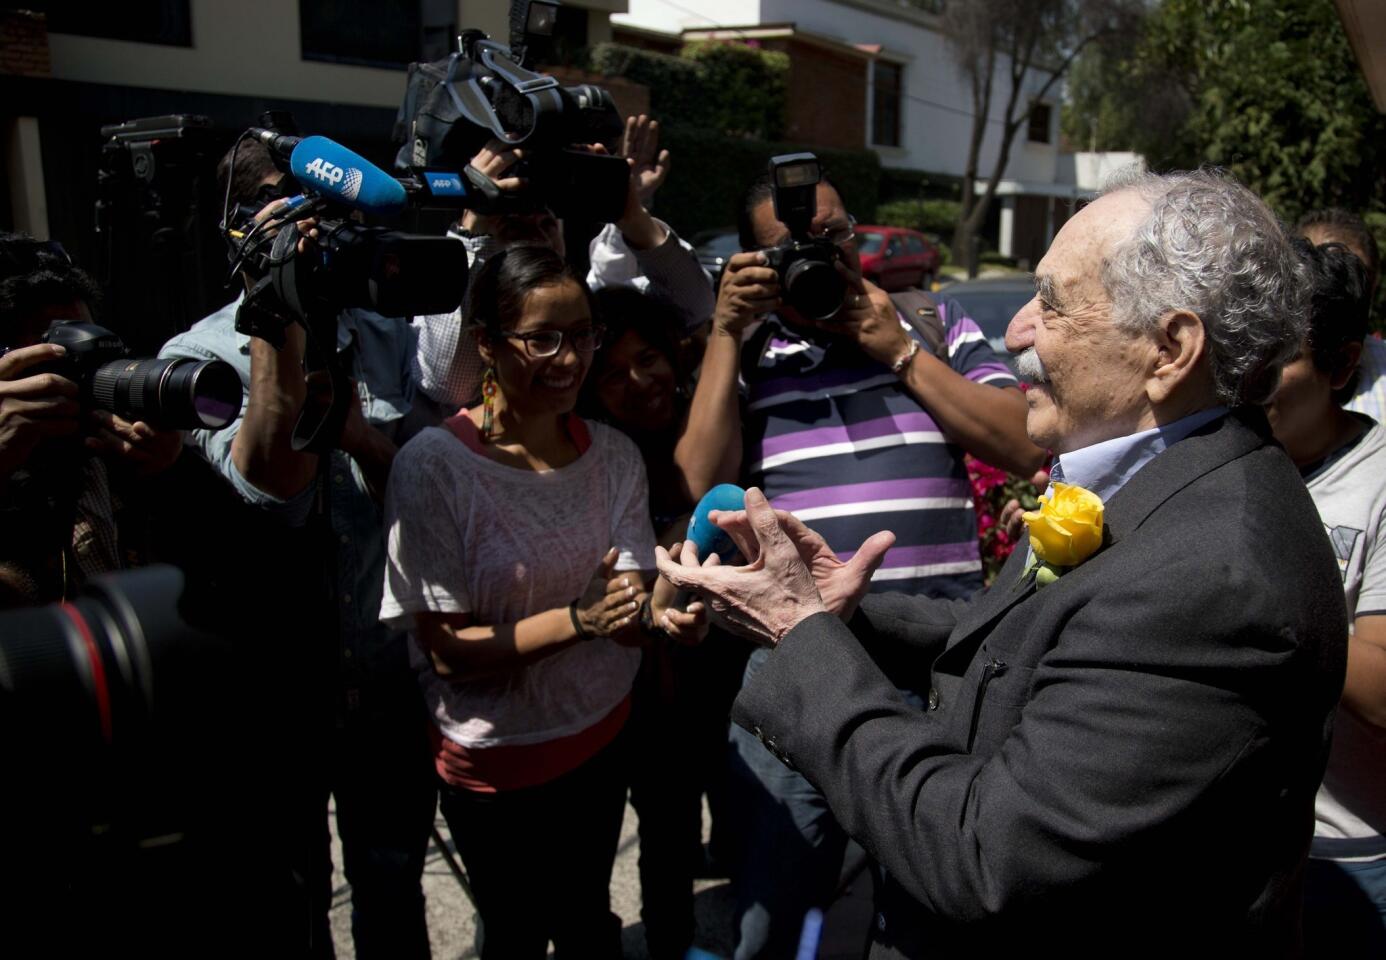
(936, 116)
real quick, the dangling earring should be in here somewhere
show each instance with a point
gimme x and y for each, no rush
(488, 401)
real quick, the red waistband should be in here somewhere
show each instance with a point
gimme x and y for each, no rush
(492, 769)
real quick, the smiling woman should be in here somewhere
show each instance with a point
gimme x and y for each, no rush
(517, 537)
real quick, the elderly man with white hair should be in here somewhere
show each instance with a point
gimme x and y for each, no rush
(1124, 734)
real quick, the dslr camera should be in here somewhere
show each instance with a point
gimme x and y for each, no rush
(176, 393)
(807, 265)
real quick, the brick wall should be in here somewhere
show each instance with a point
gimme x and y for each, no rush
(826, 99)
(24, 44)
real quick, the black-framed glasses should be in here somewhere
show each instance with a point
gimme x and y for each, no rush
(547, 343)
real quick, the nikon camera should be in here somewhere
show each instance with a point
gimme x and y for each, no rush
(807, 266)
(175, 393)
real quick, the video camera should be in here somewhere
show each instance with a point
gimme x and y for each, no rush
(452, 107)
(177, 394)
(806, 264)
(349, 264)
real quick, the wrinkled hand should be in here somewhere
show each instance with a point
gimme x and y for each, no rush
(841, 585)
(687, 626)
(143, 449)
(610, 605)
(649, 165)
(869, 317)
(749, 290)
(764, 599)
(34, 407)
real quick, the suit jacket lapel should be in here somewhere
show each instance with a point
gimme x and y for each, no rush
(1220, 441)
(1006, 591)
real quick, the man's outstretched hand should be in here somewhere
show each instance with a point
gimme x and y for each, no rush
(840, 584)
(780, 585)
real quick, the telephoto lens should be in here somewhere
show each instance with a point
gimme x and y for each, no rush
(177, 393)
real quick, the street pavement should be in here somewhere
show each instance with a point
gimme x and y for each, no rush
(452, 920)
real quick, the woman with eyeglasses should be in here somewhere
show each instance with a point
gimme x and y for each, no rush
(519, 553)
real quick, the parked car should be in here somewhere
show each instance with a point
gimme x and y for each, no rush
(991, 303)
(894, 258)
(715, 248)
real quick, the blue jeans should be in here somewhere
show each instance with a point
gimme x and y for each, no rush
(1345, 909)
(790, 845)
(790, 850)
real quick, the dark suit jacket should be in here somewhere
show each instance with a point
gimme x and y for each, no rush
(1123, 761)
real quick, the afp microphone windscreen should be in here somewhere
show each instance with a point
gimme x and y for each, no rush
(331, 170)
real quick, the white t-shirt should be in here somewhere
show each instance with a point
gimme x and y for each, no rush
(1350, 492)
(465, 534)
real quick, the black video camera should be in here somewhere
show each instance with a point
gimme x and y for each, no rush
(452, 107)
(807, 266)
(178, 393)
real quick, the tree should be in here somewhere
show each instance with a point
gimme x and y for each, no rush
(1023, 42)
(1267, 89)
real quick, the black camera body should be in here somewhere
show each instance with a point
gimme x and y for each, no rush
(355, 265)
(176, 393)
(453, 107)
(807, 265)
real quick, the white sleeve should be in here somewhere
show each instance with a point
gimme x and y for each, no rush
(1371, 598)
(632, 533)
(424, 561)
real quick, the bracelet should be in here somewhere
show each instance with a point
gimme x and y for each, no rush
(647, 623)
(904, 359)
(577, 624)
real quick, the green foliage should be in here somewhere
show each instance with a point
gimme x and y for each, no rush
(1268, 89)
(901, 184)
(744, 88)
(721, 108)
(729, 88)
(710, 172)
(927, 216)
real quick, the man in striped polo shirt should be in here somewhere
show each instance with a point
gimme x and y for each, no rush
(854, 425)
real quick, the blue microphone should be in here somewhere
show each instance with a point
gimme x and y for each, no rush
(331, 170)
(706, 535)
(709, 537)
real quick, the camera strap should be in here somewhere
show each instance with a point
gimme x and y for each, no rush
(471, 102)
(921, 313)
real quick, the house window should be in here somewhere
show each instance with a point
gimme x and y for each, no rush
(168, 22)
(372, 34)
(887, 82)
(1039, 123)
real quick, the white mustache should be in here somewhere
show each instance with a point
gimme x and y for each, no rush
(1031, 367)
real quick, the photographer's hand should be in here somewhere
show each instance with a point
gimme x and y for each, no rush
(372, 450)
(137, 446)
(750, 290)
(493, 160)
(709, 450)
(35, 407)
(869, 317)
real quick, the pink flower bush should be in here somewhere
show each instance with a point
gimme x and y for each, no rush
(992, 488)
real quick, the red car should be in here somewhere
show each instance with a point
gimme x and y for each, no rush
(894, 258)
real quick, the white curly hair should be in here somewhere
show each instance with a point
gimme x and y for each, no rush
(1212, 247)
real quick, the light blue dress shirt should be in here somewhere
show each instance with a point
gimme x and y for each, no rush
(1104, 468)
(381, 355)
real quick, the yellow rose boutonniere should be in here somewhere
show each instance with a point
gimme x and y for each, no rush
(1064, 531)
